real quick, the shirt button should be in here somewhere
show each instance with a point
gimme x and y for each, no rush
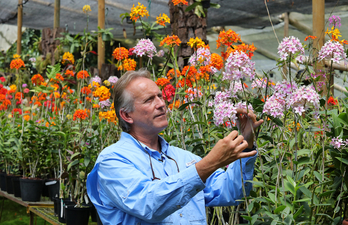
(197, 190)
(178, 206)
(180, 215)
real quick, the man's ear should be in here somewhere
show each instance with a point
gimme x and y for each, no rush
(125, 116)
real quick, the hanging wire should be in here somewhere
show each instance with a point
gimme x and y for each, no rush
(149, 11)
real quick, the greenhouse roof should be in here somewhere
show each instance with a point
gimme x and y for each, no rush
(38, 14)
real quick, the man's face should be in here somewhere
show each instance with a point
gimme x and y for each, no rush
(150, 114)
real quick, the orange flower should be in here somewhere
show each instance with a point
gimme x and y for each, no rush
(203, 72)
(69, 73)
(171, 74)
(13, 89)
(110, 116)
(76, 101)
(120, 53)
(138, 11)
(310, 36)
(170, 41)
(96, 106)
(19, 96)
(161, 20)
(59, 77)
(88, 99)
(26, 117)
(86, 90)
(83, 74)
(102, 93)
(247, 49)
(80, 114)
(17, 63)
(68, 58)
(129, 64)
(161, 82)
(191, 72)
(176, 2)
(42, 96)
(227, 38)
(177, 105)
(216, 61)
(37, 79)
(183, 82)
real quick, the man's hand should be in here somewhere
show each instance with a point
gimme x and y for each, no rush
(226, 151)
(247, 125)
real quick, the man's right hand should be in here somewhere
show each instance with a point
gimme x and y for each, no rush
(226, 151)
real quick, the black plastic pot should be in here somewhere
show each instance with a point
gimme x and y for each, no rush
(61, 209)
(31, 189)
(9, 184)
(76, 215)
(93, 213)
(53, 188)
(3, 181)
(16, 187)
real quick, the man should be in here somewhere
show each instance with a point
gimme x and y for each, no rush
(141, 179)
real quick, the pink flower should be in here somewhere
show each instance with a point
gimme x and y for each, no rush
(201, 57)
(239, 66)
(225, 111)
(291, 45)
(332, 50)
(145, 47)
(26, 90)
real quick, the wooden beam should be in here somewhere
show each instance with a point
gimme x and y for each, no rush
(101, 44)
(56, 23)
(318, 13)
(19, 26)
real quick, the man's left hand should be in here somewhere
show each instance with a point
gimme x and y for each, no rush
(247, 125)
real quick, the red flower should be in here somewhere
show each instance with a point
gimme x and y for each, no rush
(2, 79)
(16, 110)
(130, 51)
(168, 92)
(332, 101)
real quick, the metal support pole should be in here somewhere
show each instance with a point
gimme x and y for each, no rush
(318, 10)
(101, 24)
(19, 26)
(56, 23)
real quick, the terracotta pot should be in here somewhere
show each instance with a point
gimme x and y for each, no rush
(345, 222)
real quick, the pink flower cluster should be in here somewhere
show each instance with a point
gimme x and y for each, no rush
(201, 57)
(96, 79)
(225, 111)
(236, 87)
(238, 66)
(242, 105)
(288, 96)
(303, 98)
(339, 143)
(145, 47)
(291, 45)
(335, 21)
(113, 79)
(221, 97)
(332, 50)
(105, 103)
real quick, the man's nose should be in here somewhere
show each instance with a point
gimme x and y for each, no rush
(160, 102)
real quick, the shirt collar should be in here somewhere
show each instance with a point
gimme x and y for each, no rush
(164, 143)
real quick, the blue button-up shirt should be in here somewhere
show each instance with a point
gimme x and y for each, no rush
(121, 187)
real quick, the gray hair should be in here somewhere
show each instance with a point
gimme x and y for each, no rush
(122, 98)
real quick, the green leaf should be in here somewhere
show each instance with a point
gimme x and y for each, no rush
(303, 200)
(272, 197)
(345, 161)
(76, 161)
(279, 209)
(86, 160)
(299, 211)
(326, 193)
(183, 106)
(247, 217)
(215, 6)
(318, 176)
(74, 155)
(289, 187)
(189, 8)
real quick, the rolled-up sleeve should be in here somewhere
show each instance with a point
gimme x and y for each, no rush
(224, 188)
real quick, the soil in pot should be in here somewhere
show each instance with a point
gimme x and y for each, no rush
(31, 189)
(76, 215)
(9, 184)
(16, 187)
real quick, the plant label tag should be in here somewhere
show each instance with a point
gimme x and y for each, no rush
(190, 163)
(86, 199)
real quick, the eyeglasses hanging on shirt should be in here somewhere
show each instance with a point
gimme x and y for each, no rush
(162, 155)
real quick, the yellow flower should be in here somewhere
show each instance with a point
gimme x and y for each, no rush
(13, 87)
(107, 83)
(16, 56)
(161, 20)
(86, 8)
(196, 43)
(9, 116)
(68, 58)
(69, 117)
(138, 11)
(335, 33)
